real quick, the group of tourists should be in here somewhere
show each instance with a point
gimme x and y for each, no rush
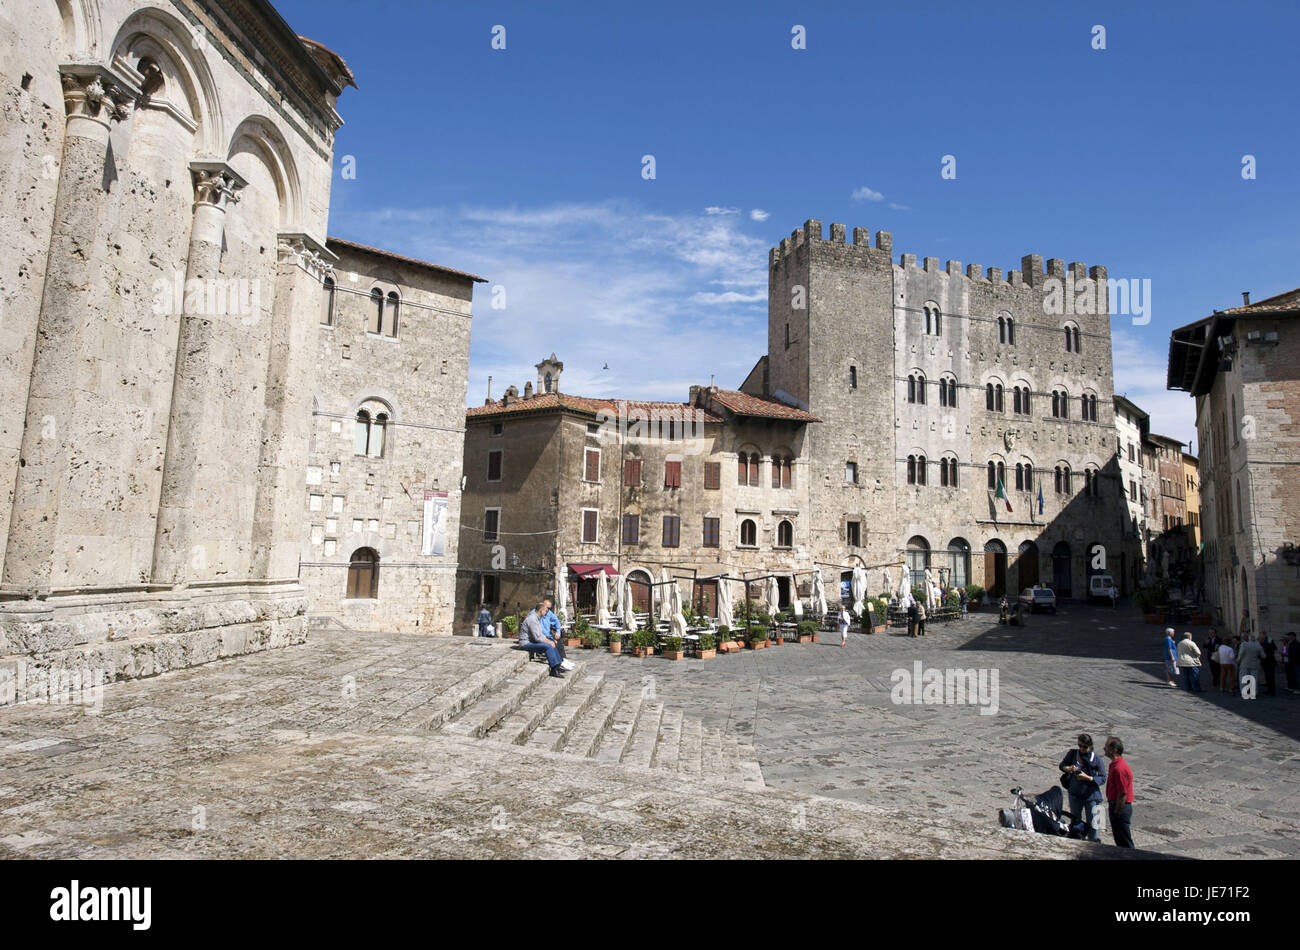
(1231, 660)
(1085, 777)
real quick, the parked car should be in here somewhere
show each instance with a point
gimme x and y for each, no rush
(1039, 598)
(1099, 587)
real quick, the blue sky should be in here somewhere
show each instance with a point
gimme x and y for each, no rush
(524, 165)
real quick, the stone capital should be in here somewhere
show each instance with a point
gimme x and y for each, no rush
(302, 250)
(216, 184)
(98, 93)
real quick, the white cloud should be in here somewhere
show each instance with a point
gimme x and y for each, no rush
(866, 194)
(715, 209)
(758, 214)
(895, 206)
(665, 300)
(1140, 366)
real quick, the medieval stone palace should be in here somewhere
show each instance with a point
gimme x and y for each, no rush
(904, 418)
(220, 414)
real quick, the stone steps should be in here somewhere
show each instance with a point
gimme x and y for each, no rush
(482, 715)
(588, 716)
(550, 693)
(645, 736)
(584, 738)
(567, 714)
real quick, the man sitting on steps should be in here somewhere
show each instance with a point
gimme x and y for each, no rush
(532, 632)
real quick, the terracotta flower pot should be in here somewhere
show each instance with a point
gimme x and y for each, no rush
(641, 651)
(673, 654)
(572, 642)
(615, 646)
(807, 639)
(879, 628)
(706, 654)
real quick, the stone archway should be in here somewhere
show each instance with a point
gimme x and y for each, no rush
(995, 567)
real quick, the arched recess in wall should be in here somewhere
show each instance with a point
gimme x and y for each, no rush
(184, 87)
(257, 139)
(83, 36)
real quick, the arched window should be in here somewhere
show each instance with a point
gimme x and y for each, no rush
(394, 304)
(1061, 479)
(748, 533)
(742, 469)
(932, 321)
(327, 317)
(921, 468)
(918, 559)
(1077, 347)
(997, 473)
(948, 393)
(363, 575)
(1006, 330)
(785, 535)
(959, 562)
(1060, 404)
(948, 472)
(1020, 400)
(371, 426)
(376, 323)
(549, 382)
(1091, 482)
(1072, 339)
(916, 466)
(993, 397)
(916, 388)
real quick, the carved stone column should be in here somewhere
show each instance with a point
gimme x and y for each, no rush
(94, 98)
(216, 188)
(279, 521)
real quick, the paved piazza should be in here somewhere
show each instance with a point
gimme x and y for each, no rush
(323, 750)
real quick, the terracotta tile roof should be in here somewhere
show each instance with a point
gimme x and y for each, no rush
(582, 404)
(743, 404)
(1280, 303)
(352, 245)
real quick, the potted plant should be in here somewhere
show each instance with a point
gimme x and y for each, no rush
(882, 615)
(807, 631)
(673, 649)
(757, 637)
(974, 596)
(592, 639)
(643, 642)
(615, 641)
(725, 642)
(577, 632)
(510, 624)
(1148, 601)
(704, 649)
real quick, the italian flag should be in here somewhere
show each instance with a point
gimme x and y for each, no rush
(1002, 493)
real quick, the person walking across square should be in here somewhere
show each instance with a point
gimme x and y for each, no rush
(1189, 662)
(1119, 793)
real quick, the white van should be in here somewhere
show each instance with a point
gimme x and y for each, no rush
(1099, 586)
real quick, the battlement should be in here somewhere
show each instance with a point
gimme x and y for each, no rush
(1034, 271)
(811, 233)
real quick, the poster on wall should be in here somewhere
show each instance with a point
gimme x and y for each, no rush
(435, 523)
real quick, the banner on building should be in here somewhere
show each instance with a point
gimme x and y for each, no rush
(435, 523)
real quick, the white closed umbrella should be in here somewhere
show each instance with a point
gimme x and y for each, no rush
(602, 598)
(724, 602)
(629, 611)
(929, 589)
(858, 588)
(904, 588)
(773, 596)
(562, 591)
(889, 582)
(818, 595)
(676, 622)
(795, 603)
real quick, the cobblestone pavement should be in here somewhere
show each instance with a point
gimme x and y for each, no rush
(318, 751)
(1215, 775)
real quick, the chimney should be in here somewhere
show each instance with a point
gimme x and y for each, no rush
(489, 396)
(1245, 298)
(528, 390)
(695, 395)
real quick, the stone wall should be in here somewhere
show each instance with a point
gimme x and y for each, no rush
(352, 500)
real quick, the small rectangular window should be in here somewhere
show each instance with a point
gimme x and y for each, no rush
(591, 470)
(713, 475)
(490, 593)
(712, 532)
(491, 523)
(853, 377)
(672, 531)
(851, 472)
(589, 525)
(494, 465)
(854, 533)
(672, 475)
(631, 529)
(498, 428)
(632, 473)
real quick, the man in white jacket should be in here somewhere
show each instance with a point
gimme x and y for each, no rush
(1189, 662)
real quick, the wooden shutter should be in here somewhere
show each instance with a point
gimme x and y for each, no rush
(672, 474)
(632, 473)
(786, 468)
(776, 472)
(712, 475)
(592, 473)
(711, 533)
(672, 531)
(753, 471)
(589, 525)
(743, 469)
(494, 466)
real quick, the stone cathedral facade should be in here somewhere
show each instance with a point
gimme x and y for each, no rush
(164, 201)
